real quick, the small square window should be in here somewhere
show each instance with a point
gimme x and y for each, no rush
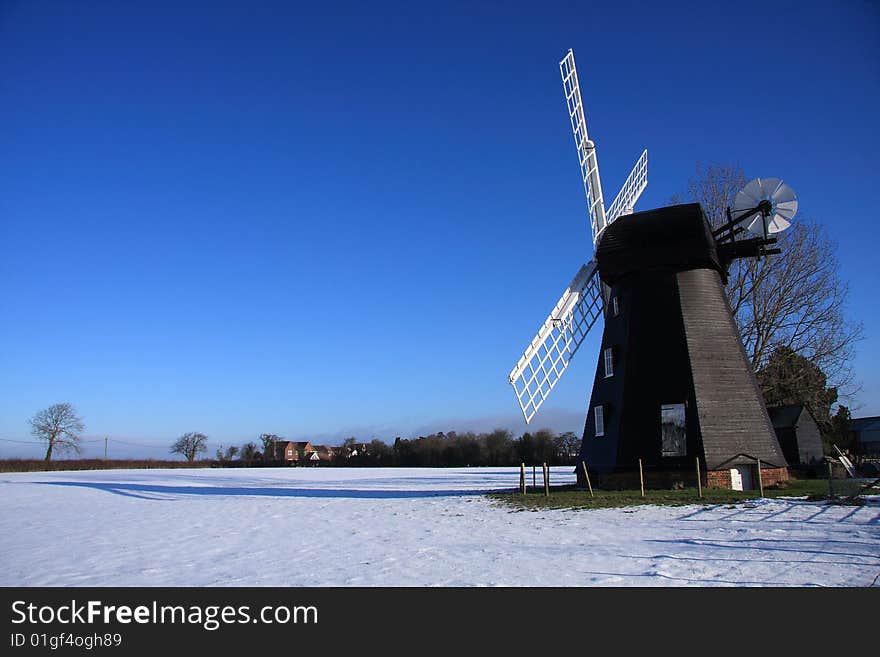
(599, 416)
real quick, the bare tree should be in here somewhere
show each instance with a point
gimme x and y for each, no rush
(60, 427)
(794, 300)
(190, 445)
(268, 441)
(228, 454)
(249, 452)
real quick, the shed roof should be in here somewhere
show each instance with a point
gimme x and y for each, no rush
(744, 459)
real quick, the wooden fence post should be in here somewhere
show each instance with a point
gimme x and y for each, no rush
(641, 478)
(830, 485)
(522, 478)
(546, 469)
(587, 475)
(534, 476)
(760, 479)
(699, 481)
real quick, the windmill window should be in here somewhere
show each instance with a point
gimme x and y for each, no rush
(673, 431)
(615, 308)
(609, 362)
(599, 416)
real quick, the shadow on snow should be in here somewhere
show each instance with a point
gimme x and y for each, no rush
(143, 491)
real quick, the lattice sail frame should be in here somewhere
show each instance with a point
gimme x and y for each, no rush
(585, 148)
(633, 187)
(557, 341)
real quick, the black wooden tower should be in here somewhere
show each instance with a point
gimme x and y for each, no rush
(673, 383)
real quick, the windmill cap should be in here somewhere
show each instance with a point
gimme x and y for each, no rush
(671, 239)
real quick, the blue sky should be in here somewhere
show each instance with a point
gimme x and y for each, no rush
(247, 217)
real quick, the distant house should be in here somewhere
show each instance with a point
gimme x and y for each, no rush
(798, 434)
(354, 450)
(325, 454)
(293, 452)
(865, 432)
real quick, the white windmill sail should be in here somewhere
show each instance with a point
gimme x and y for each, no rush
(633, 187)
(549, 354)
(585, 148)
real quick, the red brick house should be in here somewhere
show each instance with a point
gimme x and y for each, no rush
(293, 452)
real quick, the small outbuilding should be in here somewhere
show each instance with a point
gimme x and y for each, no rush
(865, 432)
(798, 434)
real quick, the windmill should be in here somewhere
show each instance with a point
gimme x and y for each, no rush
(673, 383)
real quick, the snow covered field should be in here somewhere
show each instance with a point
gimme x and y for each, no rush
(403, 527)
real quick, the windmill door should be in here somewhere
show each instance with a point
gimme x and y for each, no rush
(741, 478)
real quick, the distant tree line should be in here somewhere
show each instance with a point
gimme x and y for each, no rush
(497, 448)
(442, 449)
(249, 453)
